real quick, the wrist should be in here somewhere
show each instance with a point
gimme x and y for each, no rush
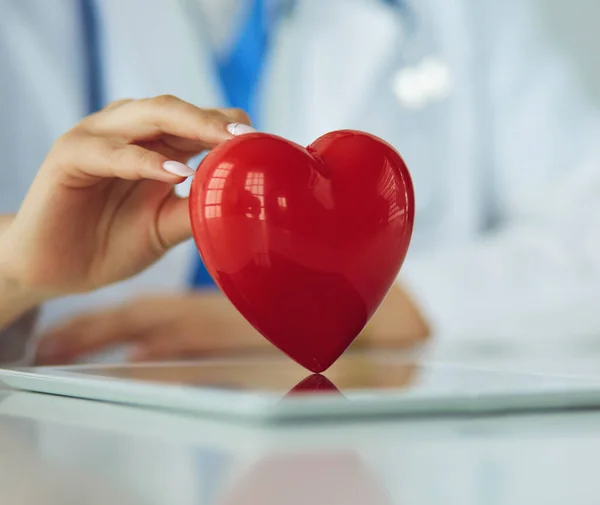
(16, 297)
(5, 221)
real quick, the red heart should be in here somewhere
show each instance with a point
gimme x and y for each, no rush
(305, 242)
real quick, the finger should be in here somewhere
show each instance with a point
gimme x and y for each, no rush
(174, 148)
(150, 118)
(118, 103)
(183, 149)
(173, 342)
(81, 336)
(89, 157)
(236, 115)
(166, 345)
(94, 332)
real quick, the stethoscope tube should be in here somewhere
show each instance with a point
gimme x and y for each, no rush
(94, 75)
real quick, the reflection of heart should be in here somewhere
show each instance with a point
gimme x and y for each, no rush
(315, 383)
(309, 477)
(305, 242)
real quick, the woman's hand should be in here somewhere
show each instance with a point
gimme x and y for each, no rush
(102, 206)
(190, 325)
(157, 328)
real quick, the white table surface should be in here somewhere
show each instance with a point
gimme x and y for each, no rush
(64, 451)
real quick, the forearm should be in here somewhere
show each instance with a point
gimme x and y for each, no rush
(18, 313)
(14, 301)
(17, 338)
(5, 220)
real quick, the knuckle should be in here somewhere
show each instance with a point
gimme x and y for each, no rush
(74, 135)
(129, 155)
(115, 160)
(239, 115)
(166, 100)
(65, 145)
(117, 154)
(94, 124)
(118, 103)
(146, 158)
(214, 119)
(122, 163)
(64, 140)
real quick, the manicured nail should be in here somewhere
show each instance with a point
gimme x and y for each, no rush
(176, 168)
(240, 129)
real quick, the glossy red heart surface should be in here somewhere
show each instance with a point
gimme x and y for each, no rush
(305, 242)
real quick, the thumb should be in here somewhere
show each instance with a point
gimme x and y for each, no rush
(173, 222)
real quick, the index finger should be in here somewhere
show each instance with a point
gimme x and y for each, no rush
(150, 118)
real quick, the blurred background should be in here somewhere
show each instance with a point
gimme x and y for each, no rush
(493, 105)
(541, 286)
(573, 25)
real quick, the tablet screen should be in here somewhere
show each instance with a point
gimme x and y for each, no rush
(282, 375)
(353, 373)
(276, 388)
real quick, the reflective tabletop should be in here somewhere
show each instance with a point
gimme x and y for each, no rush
(56, 450)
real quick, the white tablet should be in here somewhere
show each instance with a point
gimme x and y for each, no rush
(276, 389)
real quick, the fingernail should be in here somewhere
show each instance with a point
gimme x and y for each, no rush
(176, 168)
(240, 129)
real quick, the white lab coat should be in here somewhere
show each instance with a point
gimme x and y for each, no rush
(506, 166)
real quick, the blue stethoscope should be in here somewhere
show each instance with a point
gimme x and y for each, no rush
(95, 80)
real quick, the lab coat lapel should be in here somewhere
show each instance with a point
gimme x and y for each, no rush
(327, 58)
